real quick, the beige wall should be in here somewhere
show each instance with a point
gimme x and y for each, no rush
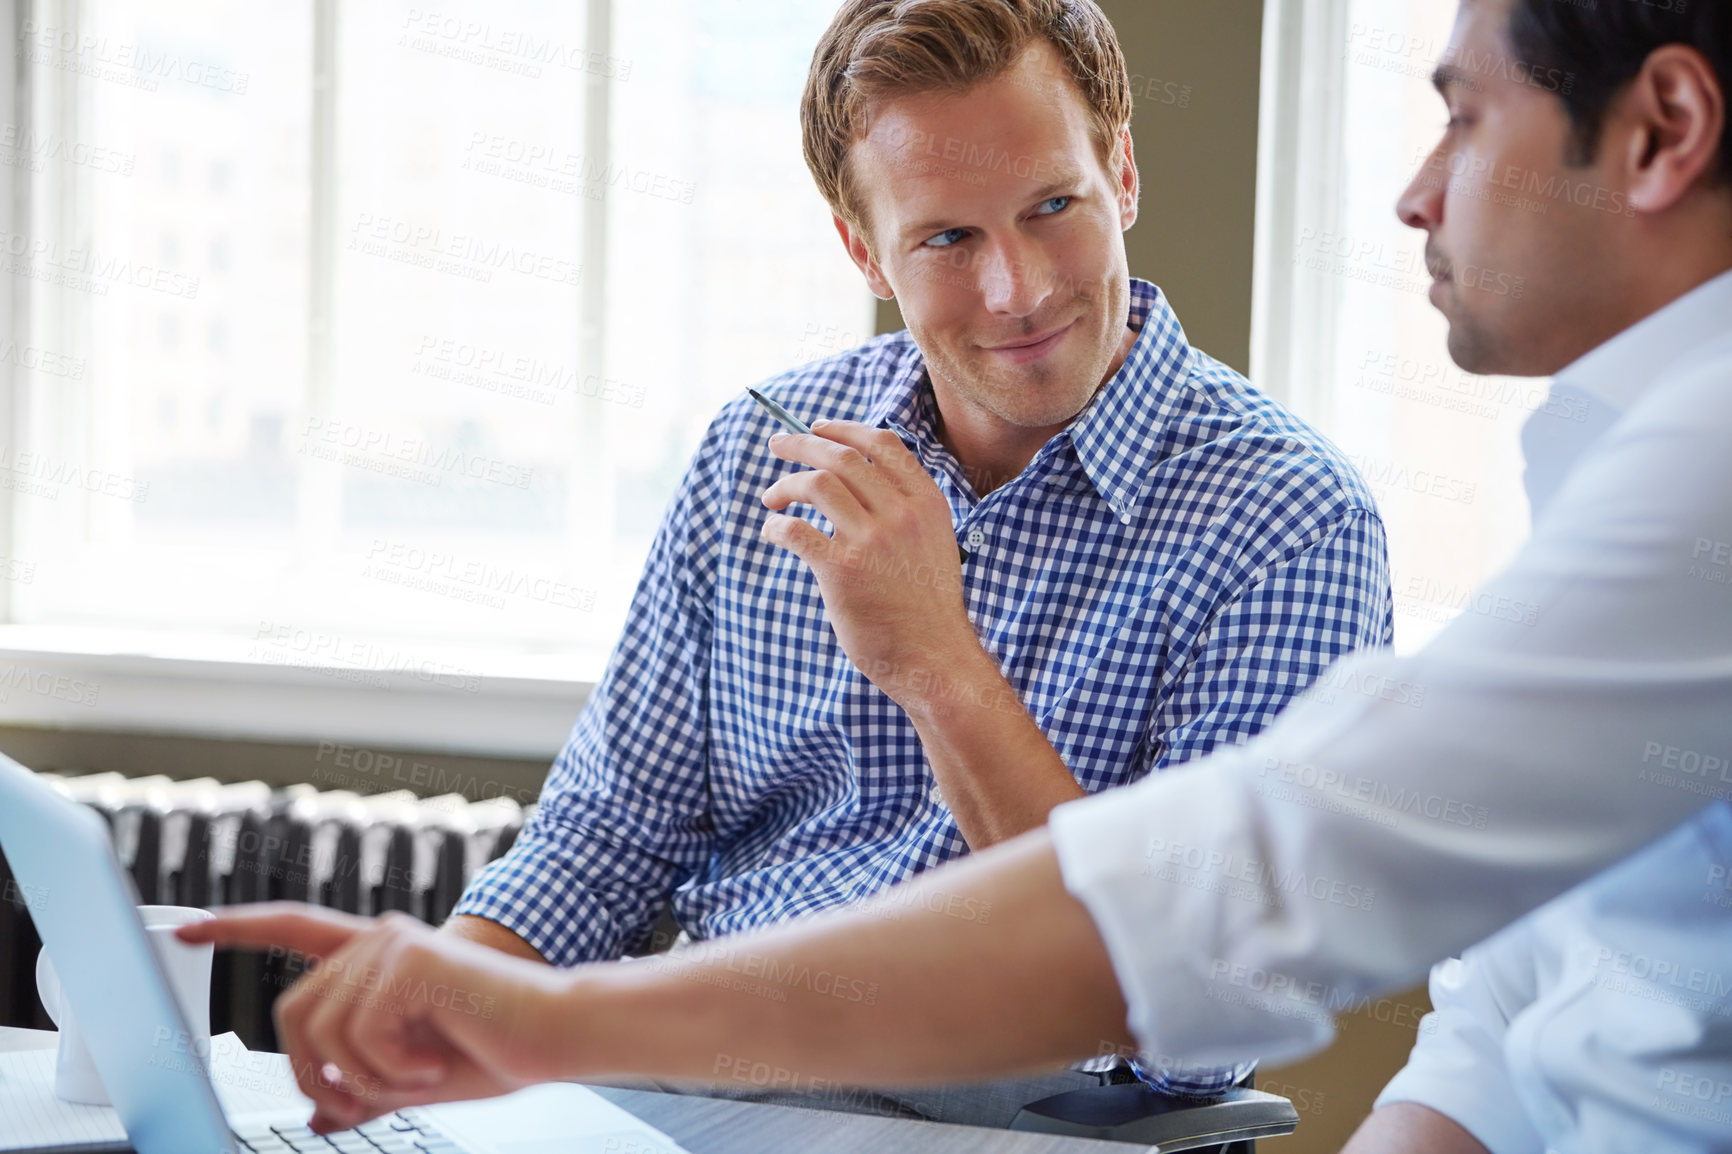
(1194, 68)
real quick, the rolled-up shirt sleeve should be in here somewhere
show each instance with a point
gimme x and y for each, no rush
(1407, 807)
(624, 815)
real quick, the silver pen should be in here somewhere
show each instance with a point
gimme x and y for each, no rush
(789, 421)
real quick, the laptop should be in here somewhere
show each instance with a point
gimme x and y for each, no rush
(85, 910)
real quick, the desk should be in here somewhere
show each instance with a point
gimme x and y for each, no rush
(14, 1038)
(714, 1126)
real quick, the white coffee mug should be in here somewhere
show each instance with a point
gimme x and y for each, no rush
(188, 969)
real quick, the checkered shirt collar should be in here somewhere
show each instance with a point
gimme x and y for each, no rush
(1116, 438)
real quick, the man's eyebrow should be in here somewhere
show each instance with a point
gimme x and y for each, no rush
(1067, 178)
(1444, 77)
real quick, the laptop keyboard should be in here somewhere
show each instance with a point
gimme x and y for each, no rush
(405, 1132)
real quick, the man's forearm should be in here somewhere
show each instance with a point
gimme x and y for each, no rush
(1409, 1128)
(995, 769)
(910, 987)
(490, 933)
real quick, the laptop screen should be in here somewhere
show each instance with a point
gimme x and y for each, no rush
(85, 909)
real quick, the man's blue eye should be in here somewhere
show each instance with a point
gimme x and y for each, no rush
(946, 238)
(1063, 203)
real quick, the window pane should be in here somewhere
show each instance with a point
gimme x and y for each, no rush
(441, 463)
(373, 406)
(170, 219)
(729, 270)
(1440, 447)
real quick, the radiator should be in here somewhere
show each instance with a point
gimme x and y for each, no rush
(204, 843)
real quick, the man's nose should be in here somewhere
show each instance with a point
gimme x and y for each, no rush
(1016, 278)
(1421, 203)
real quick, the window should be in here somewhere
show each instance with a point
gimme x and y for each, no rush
(379, 334)
(1344, 330)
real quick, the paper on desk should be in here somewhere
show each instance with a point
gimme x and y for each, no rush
(30, 1114)
(247, 1084)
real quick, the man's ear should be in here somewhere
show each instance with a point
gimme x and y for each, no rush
(1129, 183)
(860, 252)
(1673, 116)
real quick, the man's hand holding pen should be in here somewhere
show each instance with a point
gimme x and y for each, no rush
(891, 576)
(892, 586)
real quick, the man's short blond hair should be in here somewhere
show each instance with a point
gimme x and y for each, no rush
(878, 49)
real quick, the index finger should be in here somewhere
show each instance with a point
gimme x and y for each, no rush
(288, 925)
(884, 447)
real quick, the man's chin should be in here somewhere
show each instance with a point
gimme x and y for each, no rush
(1042, 412)
(1475, 351)
(1465, 351)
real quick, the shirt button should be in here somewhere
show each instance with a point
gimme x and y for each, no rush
(976, 538)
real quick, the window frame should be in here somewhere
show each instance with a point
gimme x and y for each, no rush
(497, 715)
(1299, 161)
(164, 684)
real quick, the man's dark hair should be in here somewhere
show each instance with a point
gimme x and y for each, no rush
(1599, 46)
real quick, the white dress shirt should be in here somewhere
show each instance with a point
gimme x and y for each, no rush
(1579, 709)
(1603, 1020)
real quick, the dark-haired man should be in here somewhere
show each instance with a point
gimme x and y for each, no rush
(1602, 1021)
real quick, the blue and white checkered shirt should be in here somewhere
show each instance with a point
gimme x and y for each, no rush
(1165, 575)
